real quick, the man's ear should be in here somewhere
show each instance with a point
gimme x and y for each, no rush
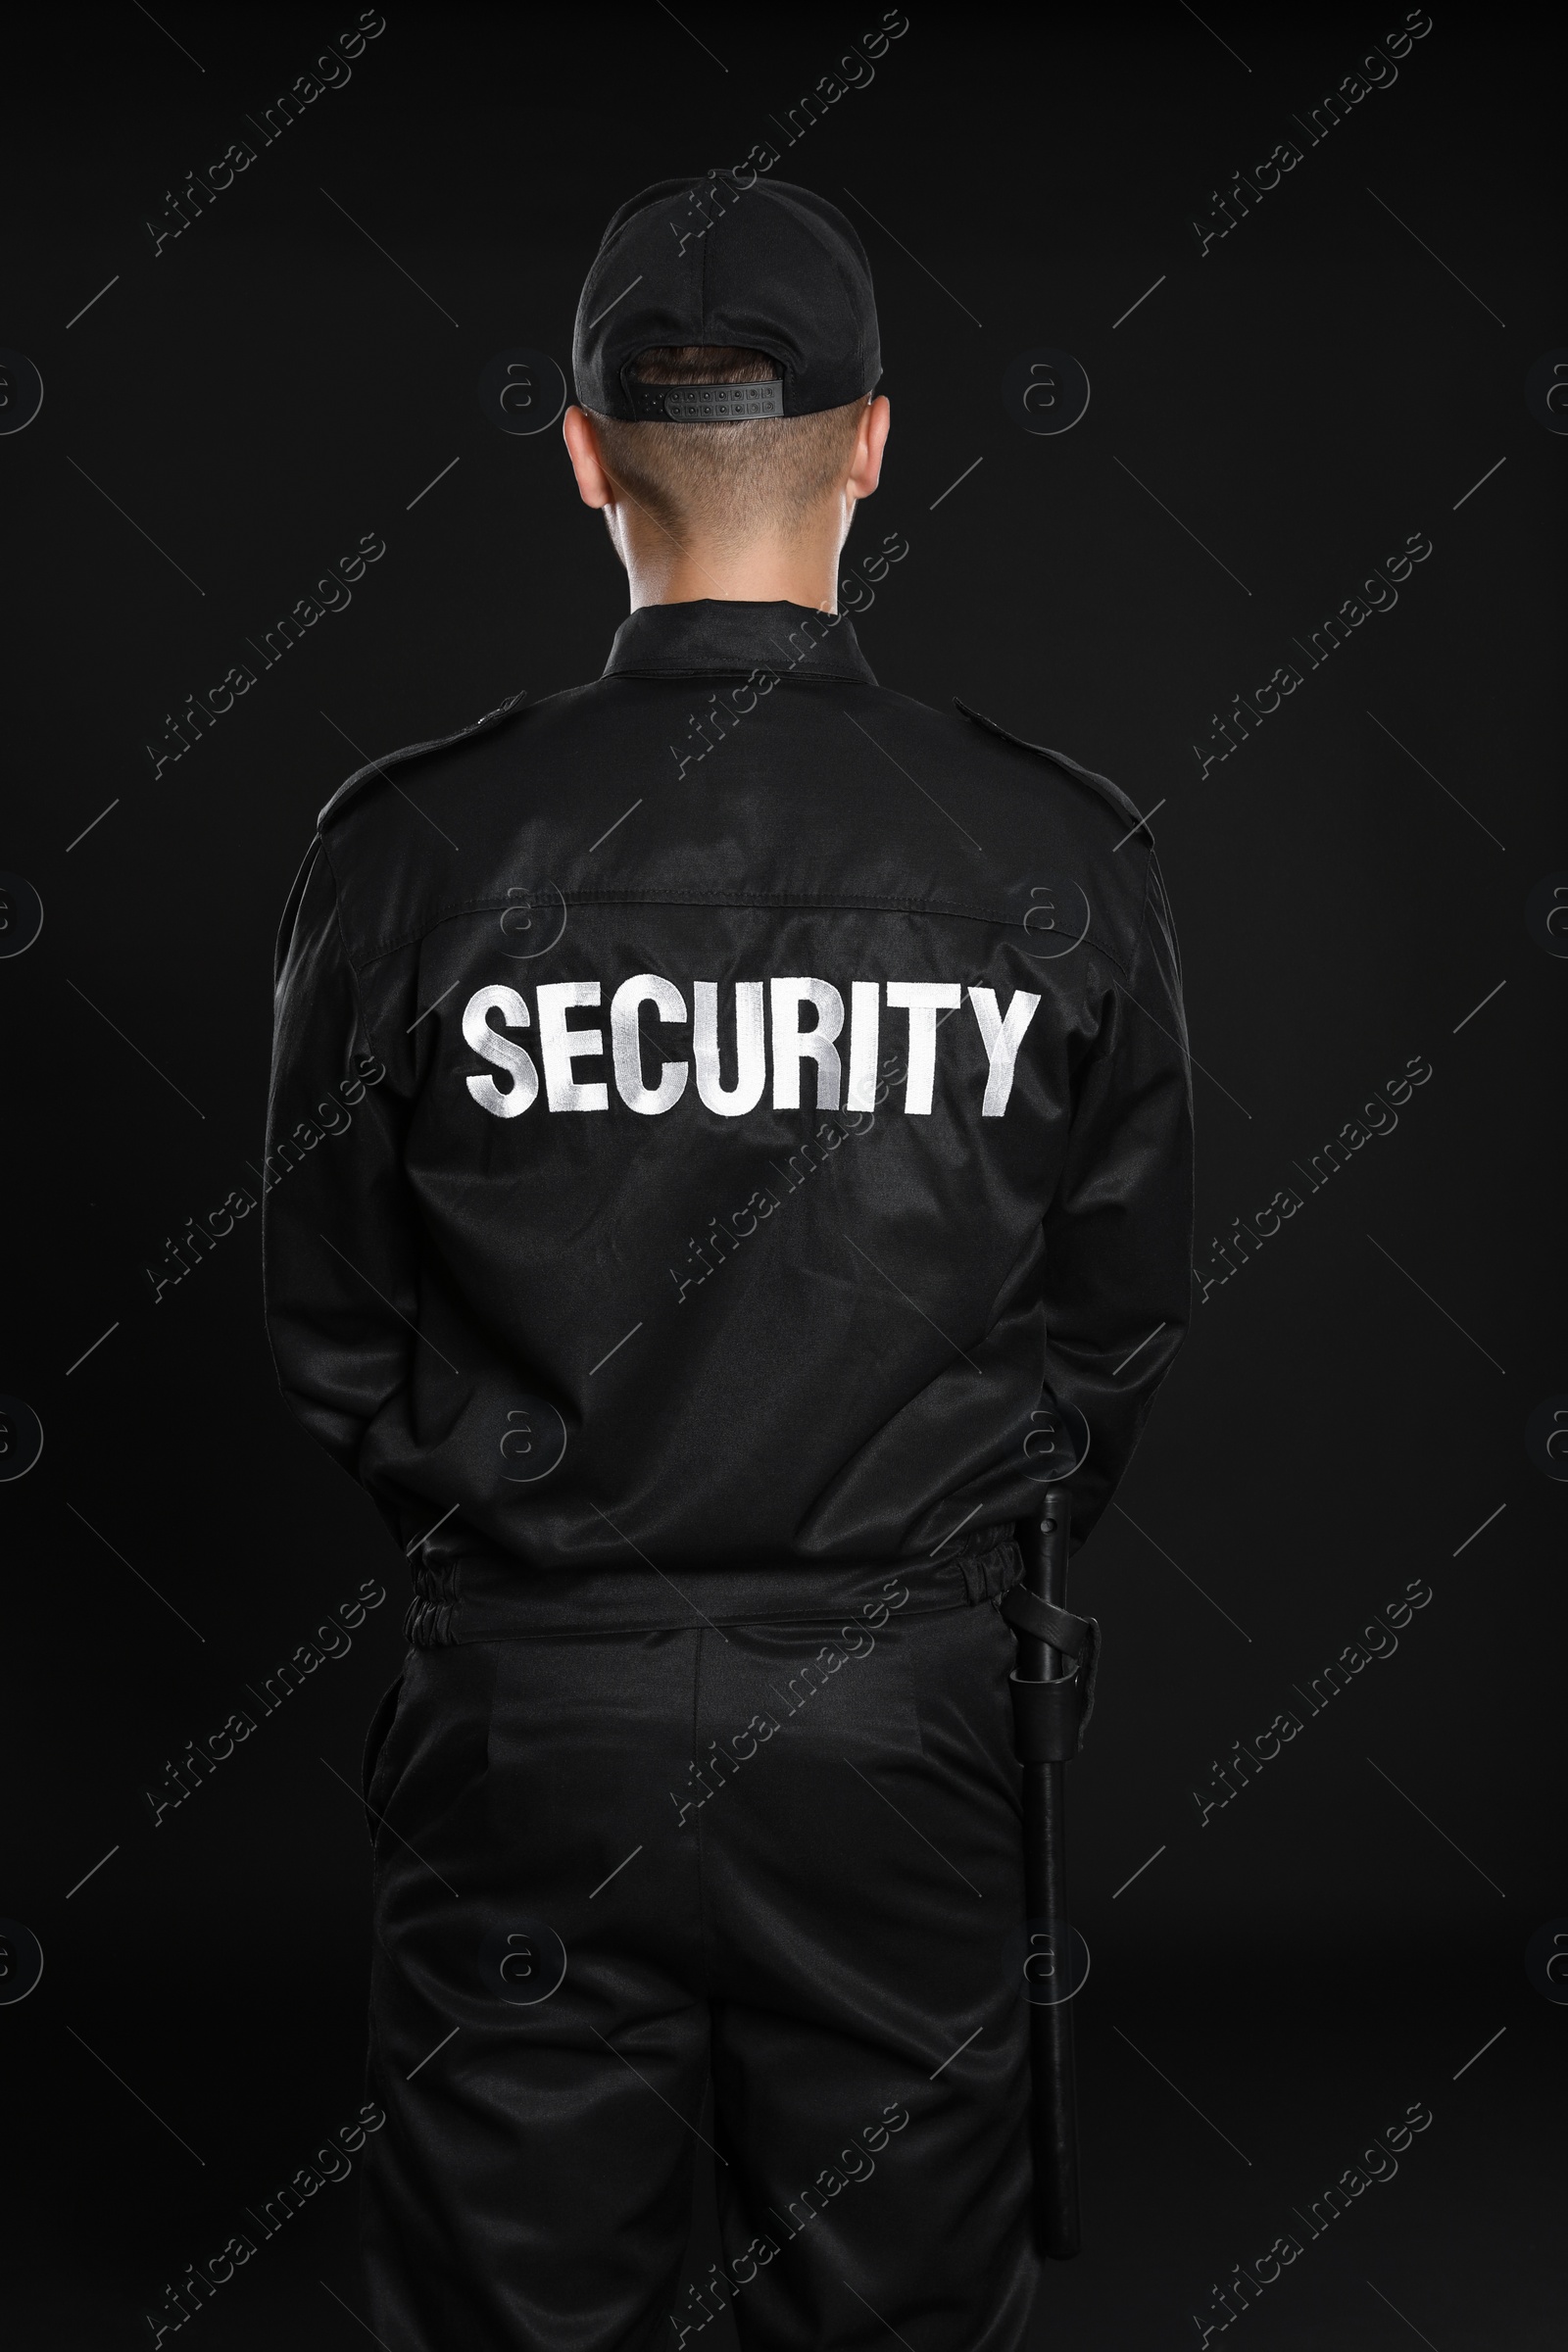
(870, 440)
(594, 484)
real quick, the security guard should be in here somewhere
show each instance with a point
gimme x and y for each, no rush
(757, 1113)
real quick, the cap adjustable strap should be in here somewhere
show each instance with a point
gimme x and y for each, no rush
(1049, 1719)
(707, 403)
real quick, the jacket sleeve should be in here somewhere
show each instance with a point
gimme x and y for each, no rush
(338, 1228)
(1118, 1231)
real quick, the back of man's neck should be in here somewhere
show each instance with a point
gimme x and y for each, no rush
(767, 573)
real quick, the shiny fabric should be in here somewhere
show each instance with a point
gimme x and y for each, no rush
(724, 1113)
(776, 1854)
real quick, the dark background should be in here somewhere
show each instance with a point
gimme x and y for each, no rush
(1277, 1985)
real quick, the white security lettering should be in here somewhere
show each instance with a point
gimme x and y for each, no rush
(625, 1043)
(750, 1058)
(922, 999)
(848, 1069)
(561, 1046)
(1002, 1037)
(865, 1012)
(493, 1046)
(792, 1044)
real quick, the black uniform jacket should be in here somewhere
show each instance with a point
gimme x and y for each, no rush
(726, 1113)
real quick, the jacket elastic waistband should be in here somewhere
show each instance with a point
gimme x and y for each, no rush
(477, 1597)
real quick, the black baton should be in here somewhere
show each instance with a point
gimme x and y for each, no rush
(1052, 1702)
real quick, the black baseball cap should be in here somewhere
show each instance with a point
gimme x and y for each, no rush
(715, 258)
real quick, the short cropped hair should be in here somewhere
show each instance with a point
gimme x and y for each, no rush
(730, 481)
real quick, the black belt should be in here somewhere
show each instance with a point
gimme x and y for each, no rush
(474, 1596)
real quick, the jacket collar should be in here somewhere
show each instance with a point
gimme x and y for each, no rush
(712, 637)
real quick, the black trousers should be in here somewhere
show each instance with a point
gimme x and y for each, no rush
(779, 1854)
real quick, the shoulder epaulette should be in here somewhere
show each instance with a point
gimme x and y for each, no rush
(416, 751)
(1114, 793)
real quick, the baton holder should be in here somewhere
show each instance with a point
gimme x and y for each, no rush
(1053, 1697)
